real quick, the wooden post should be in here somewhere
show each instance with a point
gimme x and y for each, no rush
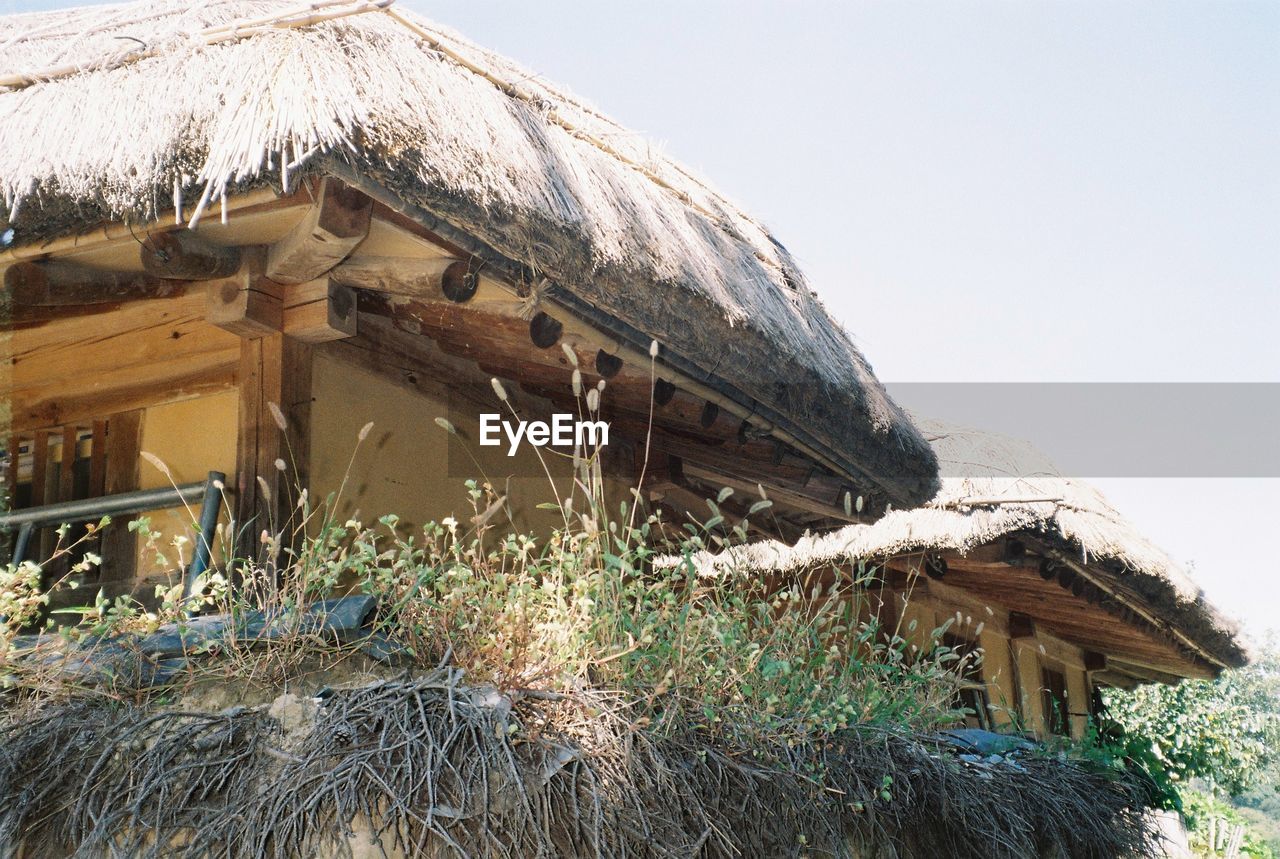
(259, 441)
(43, 545)
(39, 467)
(120, 474)
(1077, 701)
(296, 403)
(11, 471)
(98, 459)
(1030, 684)
(1000, 676)
(67, 466)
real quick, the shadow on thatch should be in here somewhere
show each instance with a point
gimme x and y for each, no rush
(445, 769)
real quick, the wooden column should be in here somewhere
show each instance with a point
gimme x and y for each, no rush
(1077, 701)
(999, 676)
(67, 464)
(120, 474)
(41, 545)
(274, 371)
(1030, 684)
(296, 403)
(11, 470)
(259, 440)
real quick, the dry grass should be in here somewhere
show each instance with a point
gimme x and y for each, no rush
(444, 769)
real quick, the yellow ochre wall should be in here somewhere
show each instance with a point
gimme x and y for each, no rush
(1011, 669)
(402, 467)
(191, 438)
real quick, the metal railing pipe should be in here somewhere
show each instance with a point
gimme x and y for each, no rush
(123, 504)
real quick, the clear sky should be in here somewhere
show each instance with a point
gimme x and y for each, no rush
(991, 191)
(999, 191)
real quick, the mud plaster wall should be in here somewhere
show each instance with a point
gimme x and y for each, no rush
(192, 438)
(409, 465)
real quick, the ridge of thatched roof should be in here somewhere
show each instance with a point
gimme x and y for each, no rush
(994, 486)
(121, 112)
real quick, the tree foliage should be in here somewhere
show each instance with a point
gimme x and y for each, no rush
(1226, 731)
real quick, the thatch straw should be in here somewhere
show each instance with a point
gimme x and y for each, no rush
(458, 138)
(437, 768)
(999, 486)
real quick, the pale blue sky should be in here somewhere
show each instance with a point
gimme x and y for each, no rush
(995, 191)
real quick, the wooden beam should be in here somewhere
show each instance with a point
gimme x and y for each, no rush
(1095, 661)
(247, 303)
(137, 334)
(319, 311)
(1153, 674)
(258, 201)
(1073, 620)
(182, 255)
(124, 389)
(781, 497)
(1127, 601)
(459, 283)
(55, 283)
(1117, 679)
(326, 235)
(607, 365)
(414, 278)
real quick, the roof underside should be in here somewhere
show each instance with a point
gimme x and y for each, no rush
(996, 487)
(130, 111)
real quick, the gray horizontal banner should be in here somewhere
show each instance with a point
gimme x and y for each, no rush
(1105, 430)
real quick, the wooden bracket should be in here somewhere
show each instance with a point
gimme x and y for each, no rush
(325, 236)
(247, 304)
(319, 311)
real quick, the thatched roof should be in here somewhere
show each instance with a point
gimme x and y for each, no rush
(994, 486)
(116, 112)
